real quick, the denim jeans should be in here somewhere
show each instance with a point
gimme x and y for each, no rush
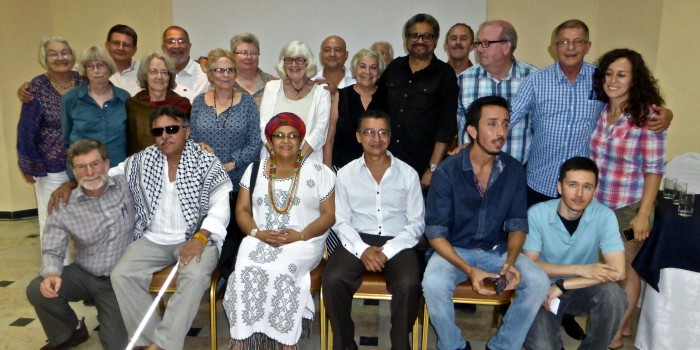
(603, 303)
(441, 278)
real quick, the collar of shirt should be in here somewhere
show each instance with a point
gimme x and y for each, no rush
(191, 68)
(586, 217)
(430, 68)
(82, 91)
(583, 73)
(132, 67)
(81, 196)
(391, 165)
(498, 166)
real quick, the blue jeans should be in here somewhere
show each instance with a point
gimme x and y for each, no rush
(603, 303)
(441, 278)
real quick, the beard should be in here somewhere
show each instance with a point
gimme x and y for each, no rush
(481, 145)
(93, 184)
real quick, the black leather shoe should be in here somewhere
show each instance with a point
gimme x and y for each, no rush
(79, 336)
(572, 328)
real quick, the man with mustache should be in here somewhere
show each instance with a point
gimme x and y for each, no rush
(191, 80)
(421, 98)
(458, 44)
(476, 223)
(100, 221)
(497, 74)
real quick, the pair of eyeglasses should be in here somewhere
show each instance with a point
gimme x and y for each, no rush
(229, 70)
(95, 66)
(281, 136)
(427, 37)
(155, 72)
(575, 42)
(180, 41)
(170, 130)
(54, 54)
(117, 43)
(371, 132)
(94, 166)
(291, 60)
(247, 53)
(486, 43)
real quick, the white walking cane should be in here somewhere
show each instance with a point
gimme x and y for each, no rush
(141, 326)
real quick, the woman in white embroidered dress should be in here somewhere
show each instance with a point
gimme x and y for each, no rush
(268, 300)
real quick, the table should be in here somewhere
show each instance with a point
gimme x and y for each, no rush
(669, 262)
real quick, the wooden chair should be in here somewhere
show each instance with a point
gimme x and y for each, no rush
(316, 288)
(465, 295)
(373, 287)
(159, 279)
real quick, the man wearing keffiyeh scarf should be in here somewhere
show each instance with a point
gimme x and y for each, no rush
(182, 210)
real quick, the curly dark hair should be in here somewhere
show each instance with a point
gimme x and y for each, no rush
(644, 89)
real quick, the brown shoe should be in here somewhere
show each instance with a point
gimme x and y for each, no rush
(78, 337)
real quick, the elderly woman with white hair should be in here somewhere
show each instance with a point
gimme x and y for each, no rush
(40, 149)
(96, 110)
(297, 93)
(156, 75)
(250, 78)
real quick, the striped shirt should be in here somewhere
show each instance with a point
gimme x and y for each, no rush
(101, 228)
(625, 153)
(563, 116)
(476, 82)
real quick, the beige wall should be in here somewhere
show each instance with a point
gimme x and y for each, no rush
(83, 23)
(664, 32)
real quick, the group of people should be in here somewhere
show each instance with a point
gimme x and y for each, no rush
(170, 161)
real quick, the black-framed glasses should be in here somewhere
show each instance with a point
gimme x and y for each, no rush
(427, 37)
(220, 70)
(291, 60)
(170, 130)
(575, 42)
(382, 133)
(247, 53)
(486, 43)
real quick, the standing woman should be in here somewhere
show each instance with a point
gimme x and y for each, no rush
(349, 103)
(268, 300)
(96, 110)
(40, 148)
(629, 155)
(249, 78)
(227, 122)
(156, 76)
(298, 94)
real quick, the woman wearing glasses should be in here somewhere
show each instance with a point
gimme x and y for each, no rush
(630, 157)
(156, 75)
(287, 217)
(341, 145)
(250, 78)
(297, 93)
(226, 122)
(96, 110)
(40, 148)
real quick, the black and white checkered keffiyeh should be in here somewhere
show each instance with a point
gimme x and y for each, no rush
(198, 175)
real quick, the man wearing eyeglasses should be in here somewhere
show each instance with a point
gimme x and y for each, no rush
(191, 80)
(333, 55)
(497, 74)
(100, 221)
(421, 97)
(379, 219)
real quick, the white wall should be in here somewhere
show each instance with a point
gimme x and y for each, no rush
(212, 23)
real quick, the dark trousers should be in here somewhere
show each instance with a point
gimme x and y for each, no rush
(234, 236)
(343, 276)
(59, 320)
(534, 197)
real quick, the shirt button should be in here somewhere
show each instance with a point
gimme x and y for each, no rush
(410, 81)
(401, 110)
(377, 192)
(397, 141)
(405, 95)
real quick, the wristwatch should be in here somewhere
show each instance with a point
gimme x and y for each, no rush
(560, 284)
(253, 232)
(433, 167)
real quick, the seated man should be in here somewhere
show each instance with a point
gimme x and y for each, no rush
(99, 223)
(476, 221)
(379, 219)
(565, 237)
(182, 210)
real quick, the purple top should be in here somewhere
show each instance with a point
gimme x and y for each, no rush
(40, 147)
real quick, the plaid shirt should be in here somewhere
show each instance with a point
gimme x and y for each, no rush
(563, 116)
(476, 82)
(101, 227)
(624, 153)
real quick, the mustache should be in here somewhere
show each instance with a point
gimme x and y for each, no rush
(458, 46)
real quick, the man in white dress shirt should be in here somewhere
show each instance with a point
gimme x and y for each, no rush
(333, 55)
(379, 219)
(191, 80)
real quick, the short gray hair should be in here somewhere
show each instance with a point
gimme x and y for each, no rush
(96, 53)
(367, 53)
(507, 32)
(244, 38)
(297, 49)
(43, 58)
(381, 42)
(85, 146)
(146, 61)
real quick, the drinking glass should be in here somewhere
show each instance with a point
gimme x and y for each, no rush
(681, 188)
(669, 187)
(685, 204)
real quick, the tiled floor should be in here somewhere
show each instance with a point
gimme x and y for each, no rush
(19, 328)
